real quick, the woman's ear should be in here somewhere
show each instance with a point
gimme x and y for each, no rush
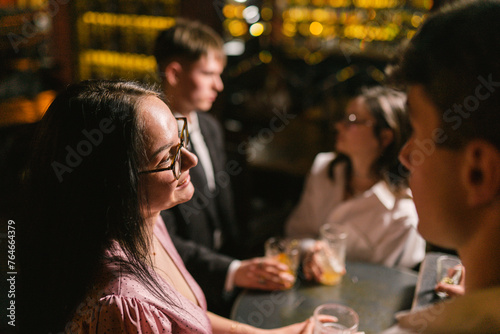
(386, 137)
(481, 172)
(172, 73)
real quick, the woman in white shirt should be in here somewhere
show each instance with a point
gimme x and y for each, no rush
(362, 186)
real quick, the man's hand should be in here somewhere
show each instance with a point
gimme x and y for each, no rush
(453, 290)
(263, 274)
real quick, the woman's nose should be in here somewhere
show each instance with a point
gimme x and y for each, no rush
(188, 160)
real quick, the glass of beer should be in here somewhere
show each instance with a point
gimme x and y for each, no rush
(332, 254)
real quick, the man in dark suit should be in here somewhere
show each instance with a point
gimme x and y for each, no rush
(204, 230)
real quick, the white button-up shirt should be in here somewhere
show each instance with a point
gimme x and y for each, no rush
(198, 142)
(381, 226)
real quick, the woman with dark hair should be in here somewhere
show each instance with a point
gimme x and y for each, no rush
(96, 256)
(362, 187)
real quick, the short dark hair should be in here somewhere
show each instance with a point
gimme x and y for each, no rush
(186, 41)
(455, 55)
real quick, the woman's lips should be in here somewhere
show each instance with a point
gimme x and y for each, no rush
(184, 182)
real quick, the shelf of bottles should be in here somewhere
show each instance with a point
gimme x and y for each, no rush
(116, 38)
(315, 29)
(22, 5)
(23, 23)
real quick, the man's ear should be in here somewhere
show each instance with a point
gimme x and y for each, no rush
(481, 172)
(172, 73)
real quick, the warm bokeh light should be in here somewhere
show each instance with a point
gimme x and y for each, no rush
(316, 28)
(266, 13)
(228, 11)
(289, 29)
(329, 31)
(304, 29)
(126, 20)
(345, 74)
(314, 58)
(238, 11)
(320, 15)
(340, 3)
(312, 30)
(267, 28)
(376, 3)
(265, 56)
(416, 20)
(256, 29)
(424, 4)
(237, 28)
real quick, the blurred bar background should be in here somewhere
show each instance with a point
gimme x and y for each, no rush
(291, 66)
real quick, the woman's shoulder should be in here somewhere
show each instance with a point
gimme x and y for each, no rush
(118, 313)
(119, 299)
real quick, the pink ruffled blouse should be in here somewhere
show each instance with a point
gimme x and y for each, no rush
(119, 303)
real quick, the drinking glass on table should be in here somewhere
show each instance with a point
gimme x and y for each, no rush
(286, 251)
(332, 254)
(335, 319)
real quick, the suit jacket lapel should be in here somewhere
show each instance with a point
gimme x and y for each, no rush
(197, 174)
(208, 136)
(199, 180)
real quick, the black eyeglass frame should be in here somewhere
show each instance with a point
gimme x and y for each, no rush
(184, 142)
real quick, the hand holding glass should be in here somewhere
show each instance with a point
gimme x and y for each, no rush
(331, 255)
(335, 319)
(448, 271)
(286, 251)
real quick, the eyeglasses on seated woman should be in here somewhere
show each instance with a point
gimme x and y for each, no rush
(95, 256)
